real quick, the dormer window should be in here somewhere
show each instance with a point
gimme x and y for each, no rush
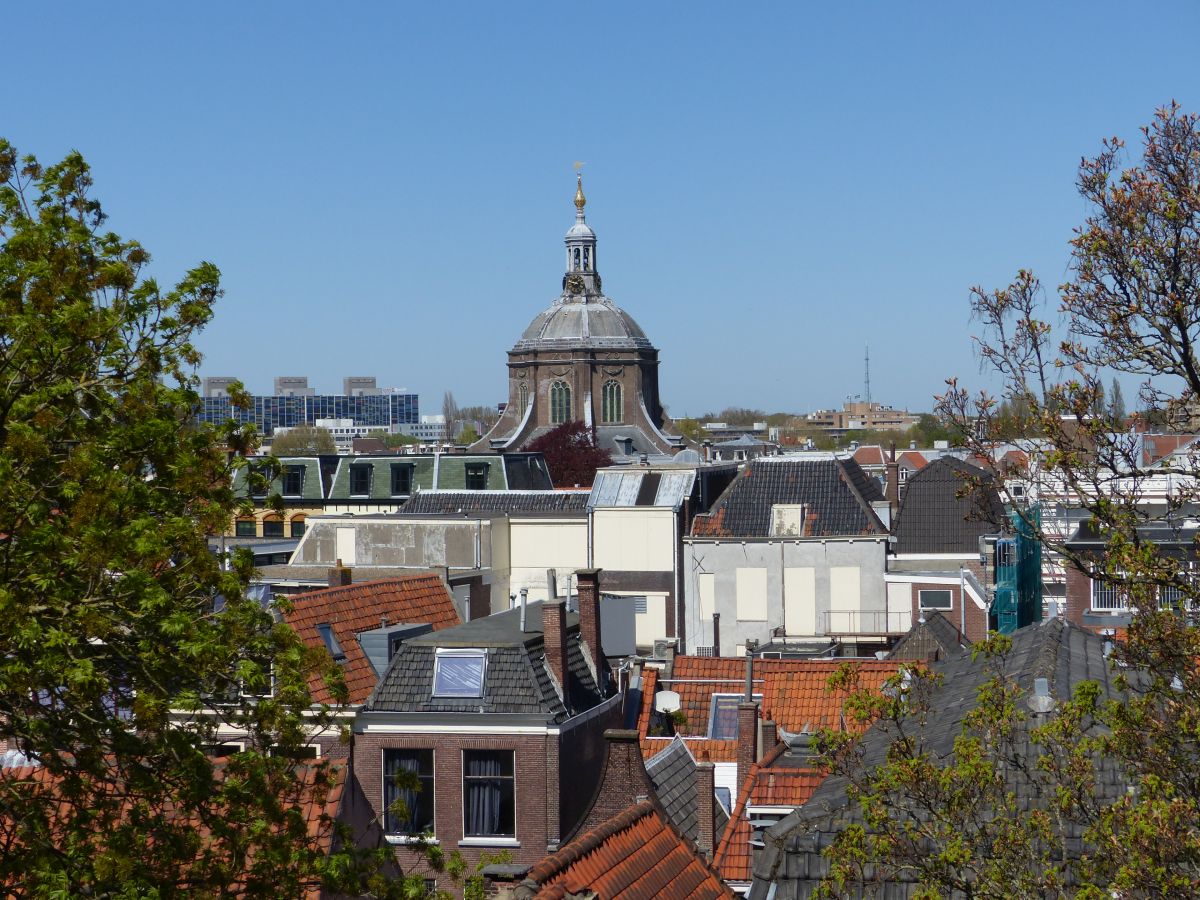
(477, 476)
(360, 480)
(293, 481)
(402, 479)
(459, 673)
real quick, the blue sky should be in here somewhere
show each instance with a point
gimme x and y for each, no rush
(385, 186)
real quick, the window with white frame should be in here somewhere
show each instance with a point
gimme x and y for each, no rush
(1109, 594)
(459, 673)
(489, 808)
(935, 599)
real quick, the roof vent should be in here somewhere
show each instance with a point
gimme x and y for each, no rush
(1041, 701)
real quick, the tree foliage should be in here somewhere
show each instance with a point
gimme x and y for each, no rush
(124, 642)
(303, 440)
(571, 454)
(1132, 306)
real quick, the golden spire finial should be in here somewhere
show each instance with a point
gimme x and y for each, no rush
(580, 200)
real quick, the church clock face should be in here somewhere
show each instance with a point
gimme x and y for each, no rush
(575, 284)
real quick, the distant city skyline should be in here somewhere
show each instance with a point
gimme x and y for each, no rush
(386, 187)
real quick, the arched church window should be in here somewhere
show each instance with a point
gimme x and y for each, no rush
(611, 408)
(560, 403)
(576, 259)
(522, 397)
(586, 260)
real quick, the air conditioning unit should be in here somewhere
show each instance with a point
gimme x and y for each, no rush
(663, 647)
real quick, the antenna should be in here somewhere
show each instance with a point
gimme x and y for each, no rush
(867, 376)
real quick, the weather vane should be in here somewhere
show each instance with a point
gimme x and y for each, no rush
(579, 166)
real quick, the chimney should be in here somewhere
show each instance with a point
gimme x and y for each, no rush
(770, 737)
(524, 604)
(893, 480)
(747, 739)
(551, 583)
(622, 781)
(554, 639)
(751, 646)
(588, 581)
(716, 634)
(706, 808)
(339, 575)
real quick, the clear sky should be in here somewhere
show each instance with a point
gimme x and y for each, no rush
(385, 186)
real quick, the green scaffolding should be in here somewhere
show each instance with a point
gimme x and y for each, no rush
(1018, 597)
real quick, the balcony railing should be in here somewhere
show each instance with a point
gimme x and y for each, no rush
(840, 622)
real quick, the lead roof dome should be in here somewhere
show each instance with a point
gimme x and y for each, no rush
(587, 322)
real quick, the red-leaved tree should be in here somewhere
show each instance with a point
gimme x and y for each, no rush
(571, 454)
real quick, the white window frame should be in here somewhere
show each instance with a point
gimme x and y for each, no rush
(486, 840)
(921, 598)
(460, 653)
(1103, 589)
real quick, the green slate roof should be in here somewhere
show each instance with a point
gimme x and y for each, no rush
(311, 488)
(451, 474)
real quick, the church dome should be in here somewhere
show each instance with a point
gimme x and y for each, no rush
(584, 322)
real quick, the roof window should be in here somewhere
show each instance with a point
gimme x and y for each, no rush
(459, 673)
(723, 715)
(331, 642)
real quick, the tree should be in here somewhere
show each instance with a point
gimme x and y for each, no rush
(1132, 306)
(394, 440)
(468, 435)
(124, 641)
(571, 454)
(449, 409)
(303, 440)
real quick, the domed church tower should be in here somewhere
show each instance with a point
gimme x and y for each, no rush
(583, 359)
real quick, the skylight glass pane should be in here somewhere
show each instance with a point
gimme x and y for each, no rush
(723, 718)
(458, 675)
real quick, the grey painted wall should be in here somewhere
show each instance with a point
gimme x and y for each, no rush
(722, 559)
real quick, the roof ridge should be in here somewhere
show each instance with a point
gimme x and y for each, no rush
(584, 844)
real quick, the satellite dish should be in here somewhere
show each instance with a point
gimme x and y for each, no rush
(666, 701)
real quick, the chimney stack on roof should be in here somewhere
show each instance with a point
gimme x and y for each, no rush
(339, 575)
(706, 808)
(622, 781)
(554, 640)
(588, 581)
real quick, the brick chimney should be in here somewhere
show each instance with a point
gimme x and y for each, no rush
(770, 737)
(747, 739)
(622, 781)
(554, 636)
(588, 582)
(706, 809)
(339, 575)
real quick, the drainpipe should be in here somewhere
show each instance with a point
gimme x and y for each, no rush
(524, 598)
(962, 600)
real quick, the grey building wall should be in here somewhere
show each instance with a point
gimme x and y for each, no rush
(723, 558)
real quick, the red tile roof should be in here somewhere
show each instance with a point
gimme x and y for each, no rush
(870, 455)
(711, 749)
(795, 691)
(649, 680)
(764, 786)
(911, 459)
(316, 793)
(409, 599)
(637, 854)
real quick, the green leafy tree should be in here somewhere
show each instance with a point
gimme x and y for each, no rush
(124, 642)
(1132, 306)
(467, 436)
(394, 440)
(303, 440)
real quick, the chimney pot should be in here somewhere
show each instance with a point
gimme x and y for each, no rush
(339, 575)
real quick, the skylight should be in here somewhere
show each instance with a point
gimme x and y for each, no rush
(459, 673)
(331, 642)
(723, 718)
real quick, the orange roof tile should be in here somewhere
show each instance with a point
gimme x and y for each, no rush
(911, 459)
(350, 610)
(635, 854)
(795, 691)
(316, 793)
(764, 786)
(869, 455)
(649, 681)
(711, 749)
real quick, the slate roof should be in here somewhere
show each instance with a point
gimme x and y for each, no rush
(673, 772)
(791, 864)
(933, 518)
(836, 492)
(928, 641)
(794, 691)
(355, 608)
(311, 488)
(635, 854)
(472, 502)
(766, 785)
(517, 679)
